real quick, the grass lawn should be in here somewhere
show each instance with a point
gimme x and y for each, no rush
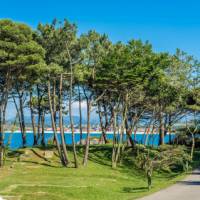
(34, 177)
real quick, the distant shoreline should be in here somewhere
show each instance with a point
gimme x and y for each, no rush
(84, 132)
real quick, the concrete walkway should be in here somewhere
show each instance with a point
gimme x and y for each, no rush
(187, 189)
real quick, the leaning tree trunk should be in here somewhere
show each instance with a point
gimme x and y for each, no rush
(64, 149)
(54, 127)
(22, 120)
(18, 112)
(106, 123)
(3, 107)
(80, 114)
(129, 134)
(54, 107)
(42, 122)
(114, 164)
(103, 127)
(1, 135)
(118, 151)
(33, 120)
(70, 113)
(87, 145)
(124, 116)
(193, 146)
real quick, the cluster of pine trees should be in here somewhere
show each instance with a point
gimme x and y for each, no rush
(49, 68)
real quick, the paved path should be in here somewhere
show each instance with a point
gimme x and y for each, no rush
(187, 189)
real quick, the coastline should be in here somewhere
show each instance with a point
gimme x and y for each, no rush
(84, 132)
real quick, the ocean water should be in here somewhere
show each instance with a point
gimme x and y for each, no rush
(14, 140)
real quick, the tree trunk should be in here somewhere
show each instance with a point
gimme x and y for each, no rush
(129, 134)
(193, 146)
(19, 115)
(3, 107)
(54, 127)
(42, 122)
(103, 134)
(64, 149)
(161, 129)
(39, 113)
(87, 145)
(22, 120)
(71, 117)
(54, 107)
(80, 115)
(118, 151)
(33, 121)
(106, 123)
(148, 130)
(170, 128)
(114, 164)
(1, 136)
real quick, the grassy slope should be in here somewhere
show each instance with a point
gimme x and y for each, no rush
(35, 178)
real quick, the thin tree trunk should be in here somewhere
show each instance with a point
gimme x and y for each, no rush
(3, 106)
(39, 112)
(124, 116)
(161, 129)
(42, 122)
(106, 123)
(87, 145)
(129, 134)
(193, 146)
(54, 107)
(17, 109)
(70, 113)
(80, 115)
(61, 123)
(169, 128)
(22, 120)
(120, 141)
(103, 134)
(33, 120)
(114, 141)
(3, 122)
(1, 136)
(54, 127)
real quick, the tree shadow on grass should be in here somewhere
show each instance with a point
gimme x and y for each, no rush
(40, 156)
(135, 189)
(101, 155)
(42, 164)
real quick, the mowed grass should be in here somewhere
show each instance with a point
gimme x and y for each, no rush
(33, 177)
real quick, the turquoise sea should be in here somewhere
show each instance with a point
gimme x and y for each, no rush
(14, 140)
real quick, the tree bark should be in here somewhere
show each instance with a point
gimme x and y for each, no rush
(54, 127)
(22, 119)
(80, 115)
(87, 145)
(103, 134)
(43, 123)
(114, 141)
(54, 107)
(33, 120)
(129, 134)
(39, 113)
(161, 129)
(1, 136)
(70, 113)
(64, 149)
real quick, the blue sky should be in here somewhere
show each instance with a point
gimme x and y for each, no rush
(167, 24)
